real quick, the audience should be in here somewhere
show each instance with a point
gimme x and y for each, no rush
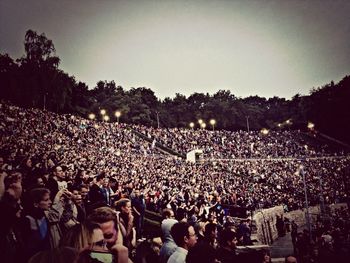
(69, 173)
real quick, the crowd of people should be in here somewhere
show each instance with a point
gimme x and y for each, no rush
(223, 144)
(71, 182)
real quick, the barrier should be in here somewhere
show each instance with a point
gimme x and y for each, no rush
(265, 220)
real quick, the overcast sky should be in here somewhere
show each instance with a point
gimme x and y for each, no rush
(266, 48)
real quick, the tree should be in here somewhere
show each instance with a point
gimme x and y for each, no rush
(38, 69)
(8, 77)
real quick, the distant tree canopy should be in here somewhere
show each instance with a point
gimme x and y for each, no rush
(35, 80)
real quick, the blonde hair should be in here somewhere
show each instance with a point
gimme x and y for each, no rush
(79, 236)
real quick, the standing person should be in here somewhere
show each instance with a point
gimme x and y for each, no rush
(294, 234)
(107, 219)
(244, 231)
(169, 246)
(84, 236)
(265, 257)
(95, 194)
(10, 239)
(40, 226)
(107, 191)
(69, 215)
(84, 192)
(126, 223)
(138, 207)
(210, 235)
(228, 244)
(78, 201)
(185, 238)
(56, 182)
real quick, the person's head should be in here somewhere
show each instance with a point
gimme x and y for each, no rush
(28, 162)
(76, 195)
(228, 239)
(137, 193)
(58, 172)
(84, 191)
(40, 181)
(290, 259)
(168, 213)
(105, 182)
(81, 174)
(84, 236)
(100, 177)
(124, 206)
(106, 218)
(266, 257)
(13, 185)
(40, 198)
(184, 235)
(210, 231)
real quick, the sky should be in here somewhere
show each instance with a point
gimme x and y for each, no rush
(262, 47)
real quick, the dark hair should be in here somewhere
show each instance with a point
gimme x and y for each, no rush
(179, 231)
(83, 186)
(166, 213)
(102, 215)
(79, 236)
(37, 194)
(286, 258)
(121, 203)
(209, 228)
(227, 235)
(100, 176)
(264, 253)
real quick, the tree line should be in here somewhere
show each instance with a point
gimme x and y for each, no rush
(35, 80)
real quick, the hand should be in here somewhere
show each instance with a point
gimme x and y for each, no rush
(15, 190)
(3, 175)
(61, 194)
(122, 253)
(67, 194)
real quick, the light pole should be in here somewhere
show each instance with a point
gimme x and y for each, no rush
(106, 118)
(117, 114)
(310, 125)
(264, 131)
(247, 119)
(289, 123)
(203, 125)
(92, 116)
(191, 125)
(212, 123)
